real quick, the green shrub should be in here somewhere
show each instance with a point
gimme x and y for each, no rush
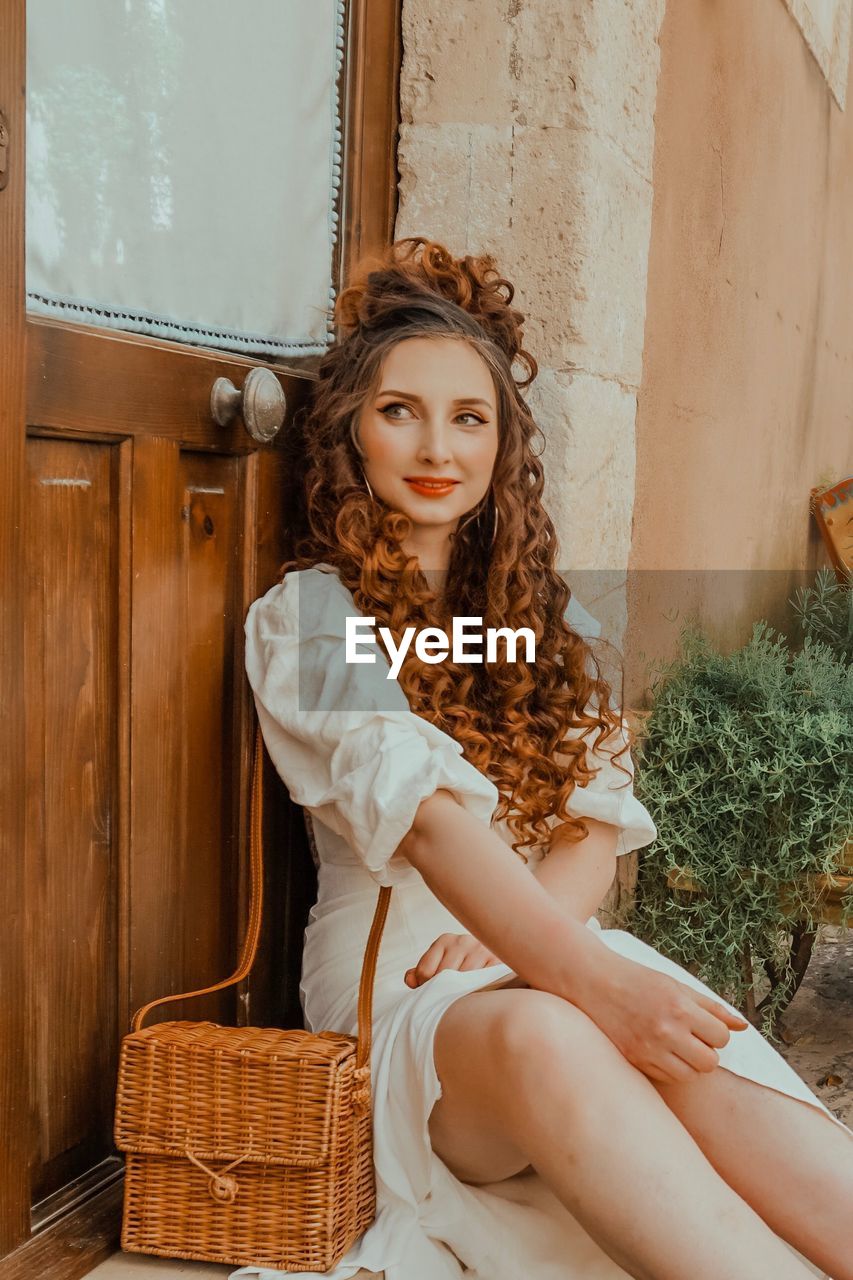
(746, 764)
(825, 612)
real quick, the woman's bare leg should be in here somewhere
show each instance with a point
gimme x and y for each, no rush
(786, 1159)
(532, 1072)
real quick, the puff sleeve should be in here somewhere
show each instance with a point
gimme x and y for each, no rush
(341, 735)
(609, 796)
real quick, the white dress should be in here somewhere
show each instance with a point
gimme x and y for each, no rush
(349, 749)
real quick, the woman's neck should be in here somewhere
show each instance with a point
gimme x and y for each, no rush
(431, 545)
(437, 579)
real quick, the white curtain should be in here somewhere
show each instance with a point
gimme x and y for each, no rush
(183, 163)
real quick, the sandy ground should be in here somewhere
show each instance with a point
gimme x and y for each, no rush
(817, 1028)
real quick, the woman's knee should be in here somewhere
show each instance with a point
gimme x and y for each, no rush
(539, 1032)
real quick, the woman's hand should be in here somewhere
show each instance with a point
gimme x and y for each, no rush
(450, 951)
(666, 1029)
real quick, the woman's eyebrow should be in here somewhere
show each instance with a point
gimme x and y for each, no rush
(410, 395)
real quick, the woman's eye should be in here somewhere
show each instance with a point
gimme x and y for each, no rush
(386, 407)
(389, 411)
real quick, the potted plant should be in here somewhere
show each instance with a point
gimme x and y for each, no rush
(745, 762)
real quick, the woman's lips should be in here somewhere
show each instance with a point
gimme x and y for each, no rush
(438, 488)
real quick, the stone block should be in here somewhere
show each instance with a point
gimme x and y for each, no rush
(455, 184)
(592, 67)
(589, 460)
(581, 222)
(456, 63)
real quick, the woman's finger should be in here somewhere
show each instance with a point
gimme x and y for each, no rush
(684, 1072)
(671, 1069)
(698, 1055)
(430, 961)
(668, 1068)
(450, 951)
(429, 966)
(733, 1020)
(710, 1029)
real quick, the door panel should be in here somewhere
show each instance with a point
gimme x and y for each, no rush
(188, 716)
(71, 683)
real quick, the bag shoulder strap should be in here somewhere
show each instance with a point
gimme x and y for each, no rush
(253, 929)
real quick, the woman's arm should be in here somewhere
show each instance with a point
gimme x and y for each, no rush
(578, 875)
(664, 1028)
(483, 883)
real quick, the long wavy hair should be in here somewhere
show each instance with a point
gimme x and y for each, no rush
(518, 722)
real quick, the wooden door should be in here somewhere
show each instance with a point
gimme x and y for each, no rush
(134, 533)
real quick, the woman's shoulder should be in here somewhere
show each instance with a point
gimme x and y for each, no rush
(296, 648)
(304, 602)
(320, 577)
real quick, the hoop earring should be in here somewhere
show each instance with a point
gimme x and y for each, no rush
(473, 515)
(367, 482)
(495, 530)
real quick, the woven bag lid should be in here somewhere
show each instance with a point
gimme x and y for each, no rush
(224, 1093)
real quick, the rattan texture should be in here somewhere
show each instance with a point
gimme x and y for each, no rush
(248, 1145)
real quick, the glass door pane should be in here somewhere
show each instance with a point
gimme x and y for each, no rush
(183, 167)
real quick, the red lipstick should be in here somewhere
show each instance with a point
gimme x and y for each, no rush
(431, 486)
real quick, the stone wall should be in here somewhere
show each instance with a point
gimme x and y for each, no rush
(528, 131)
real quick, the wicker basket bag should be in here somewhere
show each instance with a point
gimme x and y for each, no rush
(248, 1145)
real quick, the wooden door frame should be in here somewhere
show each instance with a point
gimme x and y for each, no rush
(15, 1118)
(370, 98)
(74, 1243)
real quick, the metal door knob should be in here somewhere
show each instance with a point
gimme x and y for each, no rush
(262, 403)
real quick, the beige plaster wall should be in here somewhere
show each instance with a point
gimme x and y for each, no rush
(746, 397)
(528, 130)
(825, 25)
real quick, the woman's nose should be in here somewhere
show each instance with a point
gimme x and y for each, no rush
(434, 444)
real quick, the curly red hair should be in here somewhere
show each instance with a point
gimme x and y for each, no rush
(514, 720)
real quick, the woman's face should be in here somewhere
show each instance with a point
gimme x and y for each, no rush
(429, 435)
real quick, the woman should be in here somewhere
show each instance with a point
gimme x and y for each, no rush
(550, 1099)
